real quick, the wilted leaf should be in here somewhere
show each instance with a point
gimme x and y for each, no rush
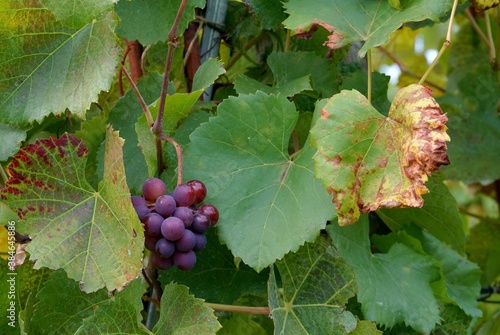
(371, 21)
(316, 286)
(94, 235)
(184, 314)
(269, 203)
(46, 67)
(368, 161)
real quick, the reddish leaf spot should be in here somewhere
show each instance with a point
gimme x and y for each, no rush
(324, 114)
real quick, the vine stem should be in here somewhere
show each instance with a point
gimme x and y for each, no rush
(239, 309)
(490, 39)
(445, 46)
(3, 174)
(144, 106)
(369, 89)
(476, 27)
(157, 128)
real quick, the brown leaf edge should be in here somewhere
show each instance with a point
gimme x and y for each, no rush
(427, 150)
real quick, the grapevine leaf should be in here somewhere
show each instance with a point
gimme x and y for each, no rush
(366, 328)
(368, 161)
(282, 205)
(182, 313)
(316, 286)
(46, 68)
(483, 248)
(11, 137)
(94, 235)
(395, 287)
(224, 281)
(149, 21)
(77, 312)
(270, 13)
(439, 215)
(461, 275)
(207, 74)
(360, 20)
(80, 12)
(241, 324)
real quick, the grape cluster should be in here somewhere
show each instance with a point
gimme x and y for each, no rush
(175, 223)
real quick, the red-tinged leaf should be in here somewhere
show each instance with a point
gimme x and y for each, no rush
(368, 161)
(94, 236)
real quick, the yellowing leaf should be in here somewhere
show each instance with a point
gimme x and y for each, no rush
(94, 235)
(368, 161)
(482, 5)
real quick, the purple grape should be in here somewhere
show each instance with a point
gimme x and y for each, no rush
(165, 205)
(150, 242)
(184, 195)
(172, 228)
(142, 211)
(199, 189)
(211, 212)
(201, 242)
(152, 224)
(184, 260)
(185, 214)
(164, 248)
(153, 188)
(201, 223)
(186, 242)
(161, 263)
(138, 201)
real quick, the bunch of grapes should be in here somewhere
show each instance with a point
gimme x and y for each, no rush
(175, 223)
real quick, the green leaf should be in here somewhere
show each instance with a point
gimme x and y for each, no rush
(366, 328)
(149, 21)
(181, 313)
(371, 21)
(316, 286)
(396, 4)
(270, 13)
(207, 74)
(94, 235)
(224, 280)
(80, 12)
(77, 312)
(439, 215)
(394, 287)
(368, 161)
(46, 68)
(269, 203)
(461, 275)
(288, 67)
(11, 137)
(483, 248)
(241, 324)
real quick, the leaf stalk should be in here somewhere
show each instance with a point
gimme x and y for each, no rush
(445, 46)
(239, 309)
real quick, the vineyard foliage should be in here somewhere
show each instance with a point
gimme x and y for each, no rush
(358, 192)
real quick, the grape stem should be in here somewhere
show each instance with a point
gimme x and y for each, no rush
(445, 46)
(157, 129)
(239, 309)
